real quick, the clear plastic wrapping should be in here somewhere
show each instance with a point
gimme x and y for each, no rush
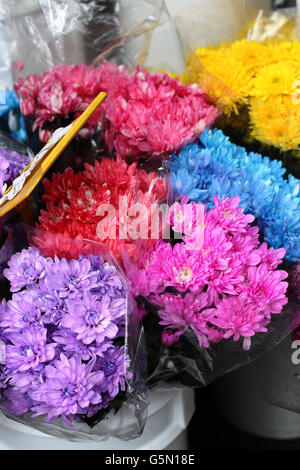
(43, 33)
(249, 71)
(80, 386)
(54, 46)
(14, 157)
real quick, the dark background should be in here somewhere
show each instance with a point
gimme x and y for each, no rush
(284, 3)
(208, 430)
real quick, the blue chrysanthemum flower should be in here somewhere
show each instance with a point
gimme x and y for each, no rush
(216, 166)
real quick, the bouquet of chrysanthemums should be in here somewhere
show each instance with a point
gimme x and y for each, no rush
(142, 113)
(64, 323)
(214, 165)
(101, 203)
(256, 85)
(214, 294)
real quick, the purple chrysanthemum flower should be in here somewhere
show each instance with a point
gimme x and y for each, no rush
(71, 345)
(70, 278)
(90, 318)
(20, 312)
(29, 348)
(25, 269)
(11, 165)
(52, 306)
(16, 402)
(4, 174)
(109, 281)
(93, 409)
(28, 380)
(68, 390)
(114, 365)
(4, 376)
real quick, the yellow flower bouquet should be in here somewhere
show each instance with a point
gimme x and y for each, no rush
(257, 86)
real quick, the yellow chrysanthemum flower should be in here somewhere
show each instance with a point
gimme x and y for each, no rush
(262, 77)
(252, 54)
(222, 77)
(274, 80)
(276, 121)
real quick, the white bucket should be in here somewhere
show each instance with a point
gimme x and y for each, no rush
(240, 402)
(170, 412)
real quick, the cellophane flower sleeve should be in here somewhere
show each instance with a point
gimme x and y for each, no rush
(55, 46)
(250, 70)
(14, 157)
(217, 287)
(72, 351)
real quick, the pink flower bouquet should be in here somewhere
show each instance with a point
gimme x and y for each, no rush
(213, 293)
(143, 113)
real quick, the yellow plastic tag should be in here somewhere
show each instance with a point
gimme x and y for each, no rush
(23, 186)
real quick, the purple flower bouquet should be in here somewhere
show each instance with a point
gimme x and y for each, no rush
(67, 360)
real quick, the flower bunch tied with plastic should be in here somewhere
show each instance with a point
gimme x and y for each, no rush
(213, 293)
(12, 164)
(215, 165)
(256, 84)
(101, 203)
(143, 113)
(63, 336)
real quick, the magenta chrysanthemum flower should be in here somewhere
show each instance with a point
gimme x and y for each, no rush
(25, 269)
(239, 318)
(191, 311)
(265, 289)
(68, 390)
(28, 349)
(70, 278)
(226, 214)
(226, 266)
(20, 312)
(90, 319)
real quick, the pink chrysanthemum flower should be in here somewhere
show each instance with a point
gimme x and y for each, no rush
(142, 113)
(236, 317)
(226, 286)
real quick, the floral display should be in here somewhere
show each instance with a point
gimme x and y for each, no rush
(222, 285)
(142, 113)
(199, 231)
(73, 201)
(261, 77)
(11, 165)
(216, 166)
(63, 336)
